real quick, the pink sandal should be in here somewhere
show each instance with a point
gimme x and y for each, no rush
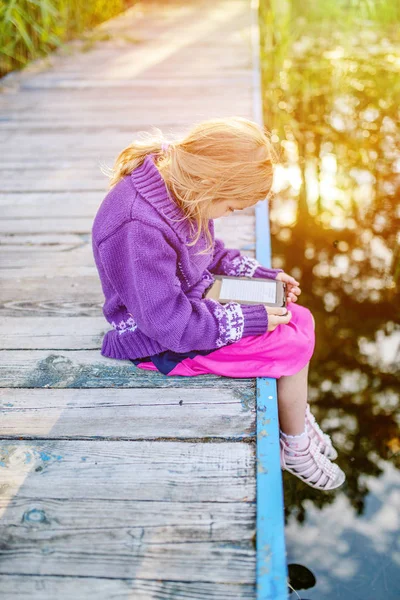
(311, 466)
(322, 439)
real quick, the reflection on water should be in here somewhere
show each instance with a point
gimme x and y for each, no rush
(352, 557)
(332, 97)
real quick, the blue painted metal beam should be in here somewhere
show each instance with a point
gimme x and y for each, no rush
(271, 553)
(271, 564)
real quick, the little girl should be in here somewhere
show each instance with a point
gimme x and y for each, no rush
(155, 274)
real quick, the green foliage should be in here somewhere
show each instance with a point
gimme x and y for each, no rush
(31, 28)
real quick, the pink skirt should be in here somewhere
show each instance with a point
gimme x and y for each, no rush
(283, 351)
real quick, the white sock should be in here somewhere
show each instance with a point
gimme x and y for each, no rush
(296, 442)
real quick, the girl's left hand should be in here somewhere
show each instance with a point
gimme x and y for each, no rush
(293, 289)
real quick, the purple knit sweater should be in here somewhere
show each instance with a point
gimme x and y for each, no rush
(154, 284)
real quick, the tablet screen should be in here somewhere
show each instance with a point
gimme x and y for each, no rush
(248, 290)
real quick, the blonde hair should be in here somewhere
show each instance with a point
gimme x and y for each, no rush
(218, 159)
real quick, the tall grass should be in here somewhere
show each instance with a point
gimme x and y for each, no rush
(300, 73)
(31, 28)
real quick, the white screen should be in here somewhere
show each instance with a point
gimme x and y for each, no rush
(253, 291)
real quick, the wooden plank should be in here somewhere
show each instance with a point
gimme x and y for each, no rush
(43, 295)
(128, 470)
(103, 144)
(43, 225)
(134, 471)
(37, 587)
(28, 106)
(89, 369)
(55, 180)
(175, 523)
(169, 117)
(34, 100)
(209, 412)
(119, 87)
(42, 273)
(48, 263)
(61, 333)
(238, 73)
(141, 537)
(43, 161)
(47, 243)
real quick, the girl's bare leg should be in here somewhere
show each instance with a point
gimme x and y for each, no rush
(300, 455)
(292, 400)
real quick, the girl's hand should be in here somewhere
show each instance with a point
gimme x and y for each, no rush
(292, 286)
(277, 316)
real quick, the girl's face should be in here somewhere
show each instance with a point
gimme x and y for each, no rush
(224, 208)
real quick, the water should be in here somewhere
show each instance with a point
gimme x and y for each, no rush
(332, 97)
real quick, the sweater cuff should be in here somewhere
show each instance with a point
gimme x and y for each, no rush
(255, 319)
(266, 273)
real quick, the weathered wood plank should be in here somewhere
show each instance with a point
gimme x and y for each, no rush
(128, 470)
(126, 112)
(43, 470)
(110, 413)
(42, 295)
(43, 273)
(168, 117)
(32, 102)
(89, 369)
(54, 204)
(81, 256)
(45, 242)
(128, 538)
(68, 333)
(237, 73)
(179, 521)
(53, 180)
(35, 161)
(38, 587)
(46, 225)
(100, 145)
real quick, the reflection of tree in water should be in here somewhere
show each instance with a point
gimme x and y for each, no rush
(332, 98)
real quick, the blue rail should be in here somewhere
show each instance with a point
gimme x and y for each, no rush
(271, 552)
(271, 567)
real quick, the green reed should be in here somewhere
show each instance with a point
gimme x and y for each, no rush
(30, 29)
(331, 85)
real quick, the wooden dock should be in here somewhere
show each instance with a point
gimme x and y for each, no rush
(117, 482)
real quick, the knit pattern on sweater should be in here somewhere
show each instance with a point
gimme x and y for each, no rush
(242, 266)
(230, 323)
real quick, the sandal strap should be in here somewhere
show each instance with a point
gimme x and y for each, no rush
(324, 437)
(308, 462)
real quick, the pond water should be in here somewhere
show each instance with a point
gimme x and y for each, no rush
(331, 98)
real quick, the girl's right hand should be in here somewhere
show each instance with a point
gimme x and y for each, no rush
(275, 317)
